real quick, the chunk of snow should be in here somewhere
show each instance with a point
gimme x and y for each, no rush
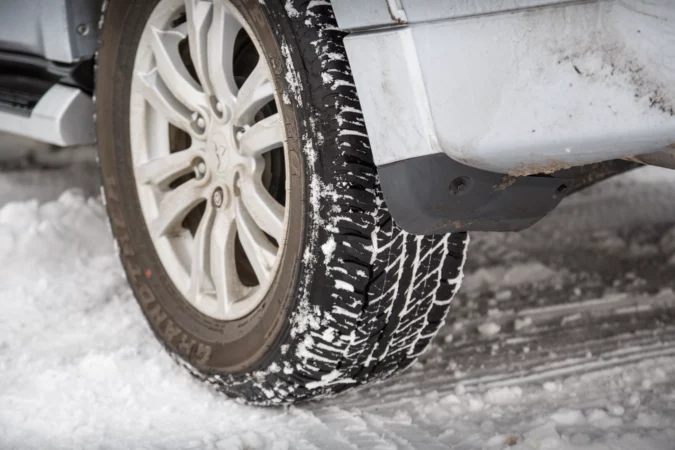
(328, 334)
(476, 404)
(482, 279)
(502, 395)
(450, 399)
(527, 273)
(634, 398)
(521, 323)
(328, 248)
(571, 318)
(569, 417)
(580, 439)
(329, 379)
(601, 419)
(550, 386)
(290, 9)
(616, 410)
(544, 436)
(487, 278)
(417, 366)
(503, 295)
(339, 284)
(489, 329)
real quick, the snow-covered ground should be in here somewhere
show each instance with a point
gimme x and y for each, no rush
(563, 337)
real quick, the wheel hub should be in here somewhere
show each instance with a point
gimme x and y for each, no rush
(217, 145)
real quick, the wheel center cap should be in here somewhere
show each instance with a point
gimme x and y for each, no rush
(217, 146)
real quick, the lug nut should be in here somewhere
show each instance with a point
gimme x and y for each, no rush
(82, 29)
(220, 110)
(241, 132)
(198, 123)
(460, 185)
(200, 169)
(218, 198)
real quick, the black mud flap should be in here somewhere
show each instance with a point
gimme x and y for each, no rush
(435, 194)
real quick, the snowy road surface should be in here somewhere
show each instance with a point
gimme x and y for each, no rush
(562, 338)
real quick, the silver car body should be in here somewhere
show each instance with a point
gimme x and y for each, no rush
(510, 86)
(514, 86)
(63, 32)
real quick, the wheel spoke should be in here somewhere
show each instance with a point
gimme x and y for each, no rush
(199, 16)
(263, 136)
(221, 38)
(267, 213)
(158, 95)
(173, 71)
(175, 205)
(260, 251)
(163, 170)
(222, 262)
(257, 91)
(199, 280)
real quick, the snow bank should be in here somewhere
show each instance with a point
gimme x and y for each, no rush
(79, 368)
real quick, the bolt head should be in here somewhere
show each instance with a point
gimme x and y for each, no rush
(460, 185)
(241, 132)
(219, 107)
(201, 123)
(562, 190)
(201, 167)
(218, 198)
(82, 29)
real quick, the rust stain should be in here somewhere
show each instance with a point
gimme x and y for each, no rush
(522, 170)
(532, 169)
(458, 224)
(507, 181)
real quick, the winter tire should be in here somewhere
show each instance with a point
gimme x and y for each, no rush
(243, 195)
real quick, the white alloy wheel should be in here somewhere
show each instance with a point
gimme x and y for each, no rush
(207, 144)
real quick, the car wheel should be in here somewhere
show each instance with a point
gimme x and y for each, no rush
(243, 195)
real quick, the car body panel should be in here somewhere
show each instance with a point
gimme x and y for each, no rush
(58, 30)
(520, 91)
(356, 15)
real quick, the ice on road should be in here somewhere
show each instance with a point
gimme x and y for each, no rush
(562, 338)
